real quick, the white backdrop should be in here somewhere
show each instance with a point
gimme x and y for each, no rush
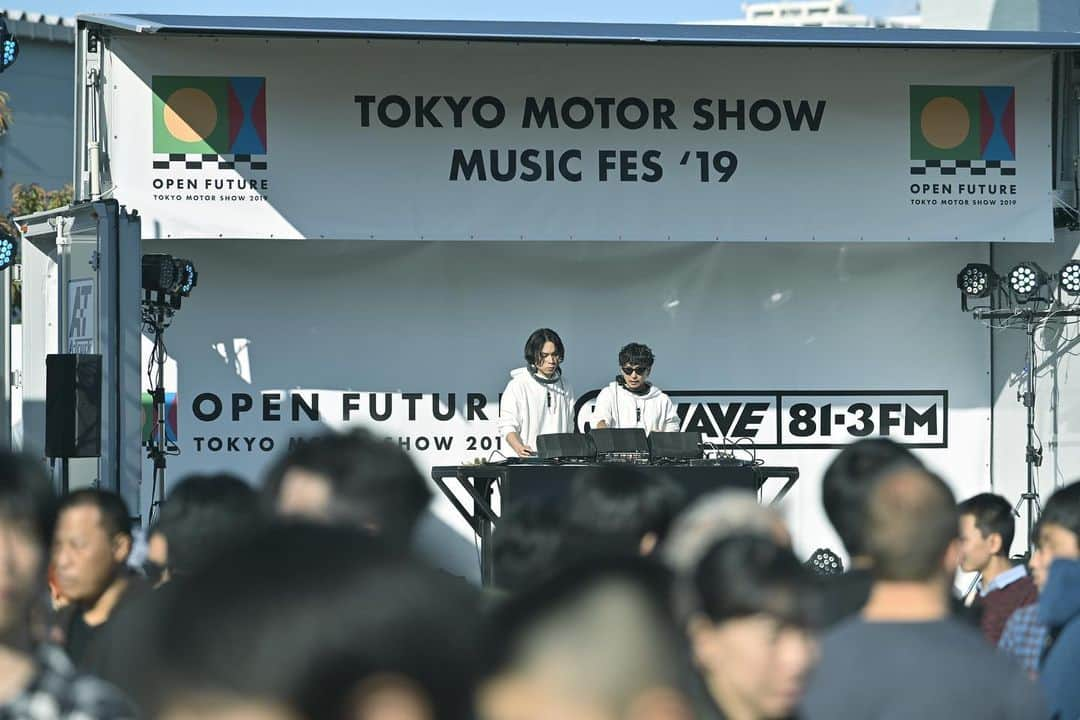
(407, 318)
(824, 152)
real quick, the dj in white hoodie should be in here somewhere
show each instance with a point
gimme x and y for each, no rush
(537, 400)
(631, 401)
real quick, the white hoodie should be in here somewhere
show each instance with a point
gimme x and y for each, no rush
(530, 407)
(620, 408)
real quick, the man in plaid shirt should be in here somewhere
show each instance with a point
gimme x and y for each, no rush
(1056, 535)
(37, 683)
(1024, 638)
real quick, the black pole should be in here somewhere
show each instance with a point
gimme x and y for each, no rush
(1032, 455)
(158, 449)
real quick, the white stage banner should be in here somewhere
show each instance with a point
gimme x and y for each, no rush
(405, 140)
(788, 351)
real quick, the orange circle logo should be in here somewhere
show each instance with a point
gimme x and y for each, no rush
(945, 123)
(190, 115)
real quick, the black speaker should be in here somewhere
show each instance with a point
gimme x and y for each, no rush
(72, 406)
(675, 446)
(564, 446)
(620, 440)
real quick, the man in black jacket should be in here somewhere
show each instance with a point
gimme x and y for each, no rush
(36, 681)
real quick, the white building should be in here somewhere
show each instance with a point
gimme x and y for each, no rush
(815, 13)
(1050, 15)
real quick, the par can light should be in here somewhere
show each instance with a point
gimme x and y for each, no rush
(1025, 280)
(9, 47)
(158, 273)
(1069, 277)
(976, 280)
(169, 275)
(7, 251)
(188, 277)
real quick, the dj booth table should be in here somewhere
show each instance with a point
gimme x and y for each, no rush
(552, 481)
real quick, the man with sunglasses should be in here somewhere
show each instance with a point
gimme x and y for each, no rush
(632, 401)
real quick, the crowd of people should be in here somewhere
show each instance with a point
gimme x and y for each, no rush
(301, 600)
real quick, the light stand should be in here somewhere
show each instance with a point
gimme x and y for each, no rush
(158, 311)
(1032, 456)
(166, 281)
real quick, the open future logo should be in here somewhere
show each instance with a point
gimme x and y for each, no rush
(963, 129)
(211, 122)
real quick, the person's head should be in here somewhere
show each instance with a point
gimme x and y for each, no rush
(752, 635)
(714, 517)
(635, 365)
(314, 622)
(618, 510)
(91, 543)
(1057, 534)
(912, 528)
(847, 482)
(27, 514)
(525, 544)
(987, 525)
(351, 478)
(544, 351)
(592, 642)
(201, 514)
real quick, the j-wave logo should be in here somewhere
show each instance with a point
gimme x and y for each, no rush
(212, 122)
(963, 129)
(805, 419)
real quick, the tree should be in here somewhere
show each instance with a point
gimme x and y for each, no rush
(32, 198)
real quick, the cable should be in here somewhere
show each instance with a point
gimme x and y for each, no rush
(752, 450)
(153, 502)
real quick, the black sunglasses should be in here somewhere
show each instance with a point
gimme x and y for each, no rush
(630, 370)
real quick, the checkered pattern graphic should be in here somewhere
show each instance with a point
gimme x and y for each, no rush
(1025, 637)
(188, 161)
(962, 167)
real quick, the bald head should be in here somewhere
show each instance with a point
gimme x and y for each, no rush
(912, 520)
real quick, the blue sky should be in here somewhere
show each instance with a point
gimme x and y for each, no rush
(580, 10)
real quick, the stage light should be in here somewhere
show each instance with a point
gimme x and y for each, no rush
(159, 273)
(825, 562)
(9, 47)
(188, 277)
(169, 275)
(1025, 280)
(7, 251)
(1069, 277)
(976, 280)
